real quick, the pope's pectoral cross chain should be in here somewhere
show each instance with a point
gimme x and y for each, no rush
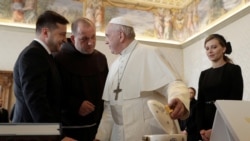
(117, 91)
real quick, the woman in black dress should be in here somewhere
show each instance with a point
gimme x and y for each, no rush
(222, 81)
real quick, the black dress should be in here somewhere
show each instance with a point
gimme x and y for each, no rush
(223, 83)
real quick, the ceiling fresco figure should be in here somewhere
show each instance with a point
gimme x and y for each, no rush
(158, 23)
(167, 24)
(29, 9)
(95, 12)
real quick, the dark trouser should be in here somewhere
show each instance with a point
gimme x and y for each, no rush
(80, 134)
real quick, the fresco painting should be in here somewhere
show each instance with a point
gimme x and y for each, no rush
(157, 23)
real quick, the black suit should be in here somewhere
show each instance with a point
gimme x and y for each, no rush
(37, 86)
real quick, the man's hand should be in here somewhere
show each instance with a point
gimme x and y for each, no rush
(179, 110)
(86, 108)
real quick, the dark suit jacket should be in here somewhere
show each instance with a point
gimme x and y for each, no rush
(4, 116)
(37, 86)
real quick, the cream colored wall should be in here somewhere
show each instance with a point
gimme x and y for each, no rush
(14, 39)
(238, 33)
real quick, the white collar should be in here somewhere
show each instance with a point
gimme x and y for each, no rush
(130, 48)
(43, 44)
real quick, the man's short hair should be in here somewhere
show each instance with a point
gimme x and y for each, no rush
(50, 19)
(83, 20)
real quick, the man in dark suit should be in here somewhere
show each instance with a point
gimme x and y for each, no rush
(37, 84)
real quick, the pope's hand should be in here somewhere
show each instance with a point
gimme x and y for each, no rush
(179, 110)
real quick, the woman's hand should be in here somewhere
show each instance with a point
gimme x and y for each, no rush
(205, 134)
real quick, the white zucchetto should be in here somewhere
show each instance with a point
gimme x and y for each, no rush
(121, 21)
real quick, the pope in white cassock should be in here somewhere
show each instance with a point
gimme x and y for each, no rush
(139, 74)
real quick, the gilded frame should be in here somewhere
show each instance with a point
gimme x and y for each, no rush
(6, 87)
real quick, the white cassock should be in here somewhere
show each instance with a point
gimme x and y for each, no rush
(144, 75)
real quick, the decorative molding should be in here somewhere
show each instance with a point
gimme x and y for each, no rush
(178, 4)
(124, 4)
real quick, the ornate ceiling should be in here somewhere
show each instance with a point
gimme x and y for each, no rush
(166, 20)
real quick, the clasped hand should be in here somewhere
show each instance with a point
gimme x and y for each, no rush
(86, 108)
